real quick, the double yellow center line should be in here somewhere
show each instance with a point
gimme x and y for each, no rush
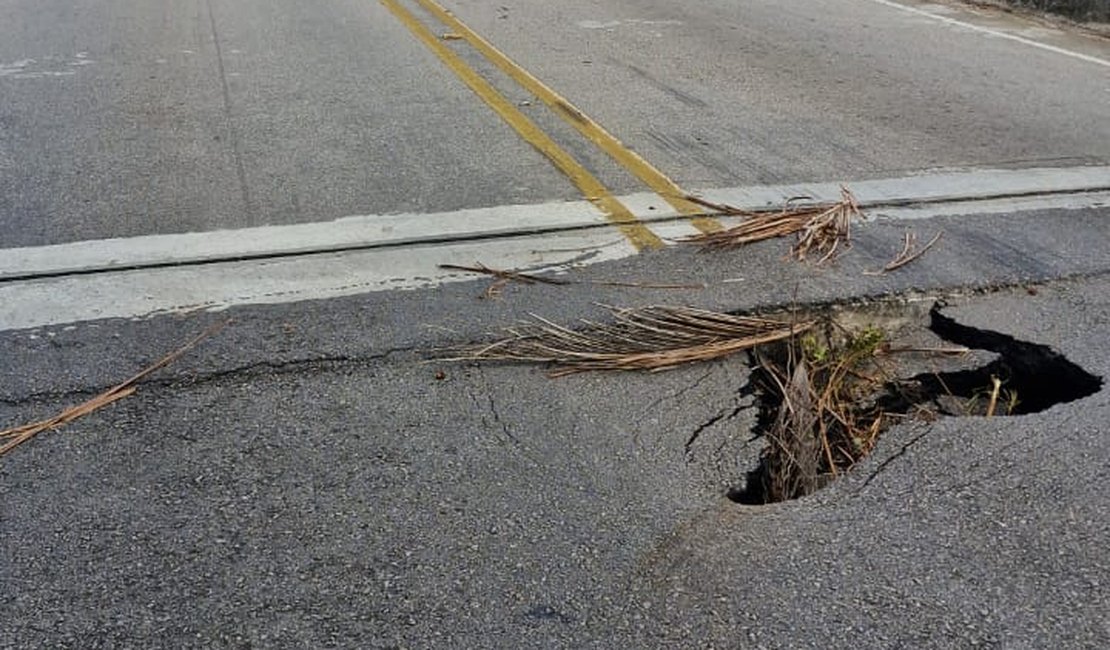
(593, 189)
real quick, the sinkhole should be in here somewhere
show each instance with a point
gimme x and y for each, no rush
(825, 399)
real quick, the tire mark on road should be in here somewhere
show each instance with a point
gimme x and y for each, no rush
(236, 148)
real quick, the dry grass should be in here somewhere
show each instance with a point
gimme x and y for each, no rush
(821, 230)
(647, 338)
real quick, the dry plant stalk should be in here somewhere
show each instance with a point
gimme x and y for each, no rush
(909, 253)
(18, 435)
(648, 338)
(820, 229)
(504, 277)
(641, 285)
(525, 278)
(996, 387)
(947, 350)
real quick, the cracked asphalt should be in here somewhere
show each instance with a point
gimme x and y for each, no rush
(306, 479)
(310, 478)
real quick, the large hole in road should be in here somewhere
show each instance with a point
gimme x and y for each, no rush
(825, 399)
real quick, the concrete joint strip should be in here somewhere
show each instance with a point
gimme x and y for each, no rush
(390, 231)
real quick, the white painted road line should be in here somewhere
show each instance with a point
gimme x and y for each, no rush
(998, 206)
(147, 292)
(410, 262)
(994, 32)
(366, 232)
(141, 293)
(272, 241)
(933, 187)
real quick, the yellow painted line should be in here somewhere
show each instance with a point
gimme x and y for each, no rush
(594, 191)
(630, 160)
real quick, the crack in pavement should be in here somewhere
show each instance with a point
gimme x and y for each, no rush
(726, 414)
(898, 454)
(692, 386)
(646, 413)
(489, 405)
(492, 404)
(251, 370)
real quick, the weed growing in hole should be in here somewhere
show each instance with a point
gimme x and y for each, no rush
(827, 417)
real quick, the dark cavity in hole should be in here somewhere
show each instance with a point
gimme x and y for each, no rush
(1035, 375)
(1038, 375)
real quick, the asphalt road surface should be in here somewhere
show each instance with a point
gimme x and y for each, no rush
(122, 118)
(307, 478)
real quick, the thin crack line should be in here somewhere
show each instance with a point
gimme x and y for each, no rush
(724, 414)
(331, 362)
(493, 410)
(883, 465)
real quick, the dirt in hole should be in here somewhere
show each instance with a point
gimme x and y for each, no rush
(826, 398)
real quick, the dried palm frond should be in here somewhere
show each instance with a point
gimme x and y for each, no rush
(16, 436)
(820, 228)
(647, 338)
(824, 232)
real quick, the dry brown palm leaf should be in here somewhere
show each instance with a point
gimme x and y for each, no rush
(647, 338)
(825, 232)
(820, 229)
(18, 435)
